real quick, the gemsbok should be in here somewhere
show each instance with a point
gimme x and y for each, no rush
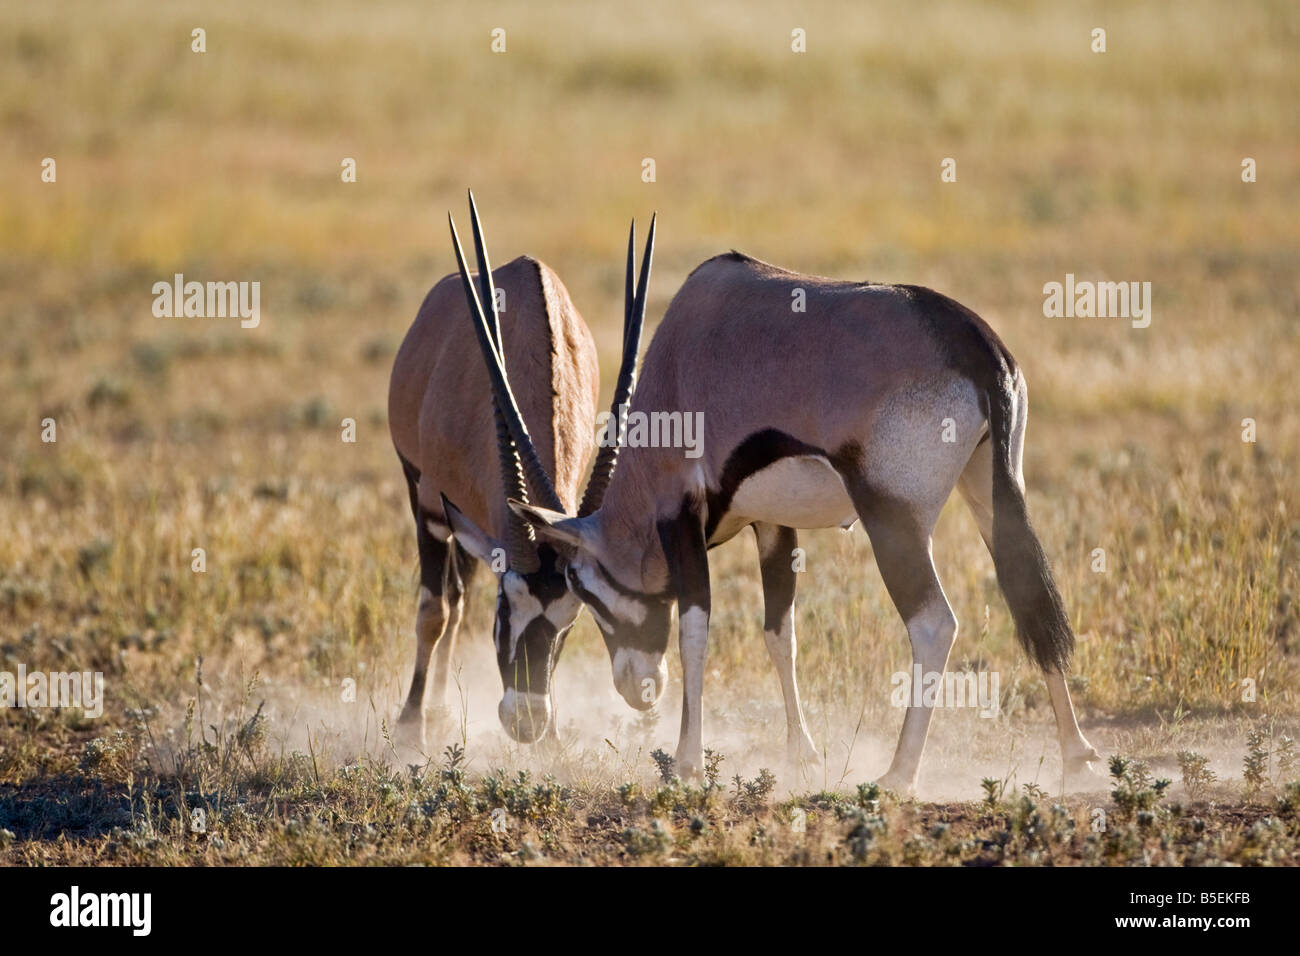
(453, 445)
(815, 418)
(640, 679)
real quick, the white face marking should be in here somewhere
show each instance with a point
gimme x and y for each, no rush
(521, 702)
(633, 668)
(802, 491)
(525, 608)
(625, 609)
(440, 532)
(564, 610)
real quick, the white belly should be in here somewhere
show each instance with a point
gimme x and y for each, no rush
(798, 492)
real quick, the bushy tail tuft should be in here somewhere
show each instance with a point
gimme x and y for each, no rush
(1023, 573)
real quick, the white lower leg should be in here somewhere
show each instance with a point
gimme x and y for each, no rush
(442, 656)
(782, 648)
(932, 632)
(1074, 747)
(694, 639)
(430, 617)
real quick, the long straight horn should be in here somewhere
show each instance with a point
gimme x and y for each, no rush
(633, 320)
(533, 468)
(520, 543)
(485, 276)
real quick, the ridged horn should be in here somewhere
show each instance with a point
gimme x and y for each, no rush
(518, 456)
(633, 320)
(521, 548)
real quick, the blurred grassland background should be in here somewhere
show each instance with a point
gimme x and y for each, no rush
(183, 433)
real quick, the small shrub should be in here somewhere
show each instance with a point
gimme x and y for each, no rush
(1197, 774)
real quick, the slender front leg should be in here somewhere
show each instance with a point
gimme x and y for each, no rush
(460, 570)
(551, 738)
(688, 571)
(776, 546)
(430, 623)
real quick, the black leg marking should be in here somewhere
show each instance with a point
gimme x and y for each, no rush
(755, 453)
(412, 485)
(776, 547)
(687, 553)
(688, 557)
(431, 615)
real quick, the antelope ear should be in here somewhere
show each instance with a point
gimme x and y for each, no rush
(471, 537)
(555, 527)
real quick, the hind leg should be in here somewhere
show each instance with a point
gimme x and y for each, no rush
(905, 565)
(901, 543)
(976, 488)
(775, 547)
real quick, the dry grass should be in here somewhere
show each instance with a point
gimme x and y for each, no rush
(176, 434)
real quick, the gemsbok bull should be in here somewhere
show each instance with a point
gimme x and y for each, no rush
(453, 445)
(815, 418)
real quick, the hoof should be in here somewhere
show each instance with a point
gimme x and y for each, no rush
(1080, 774)
(408, 736)
(688, 770)
(550, 745)
(802, 759)
(899, 784)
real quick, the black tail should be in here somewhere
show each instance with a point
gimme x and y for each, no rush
(1023, 572)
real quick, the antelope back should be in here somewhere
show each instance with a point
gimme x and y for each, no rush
(440, 401)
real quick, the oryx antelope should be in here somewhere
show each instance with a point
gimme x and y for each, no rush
(640, 677)
(454, 446)
(815, 419)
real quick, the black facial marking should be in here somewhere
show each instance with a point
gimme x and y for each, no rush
(538, 645)
(587, 598)
(613, 582)
(533, 657)
(503, 625)
(547, 582)
(650, 636)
